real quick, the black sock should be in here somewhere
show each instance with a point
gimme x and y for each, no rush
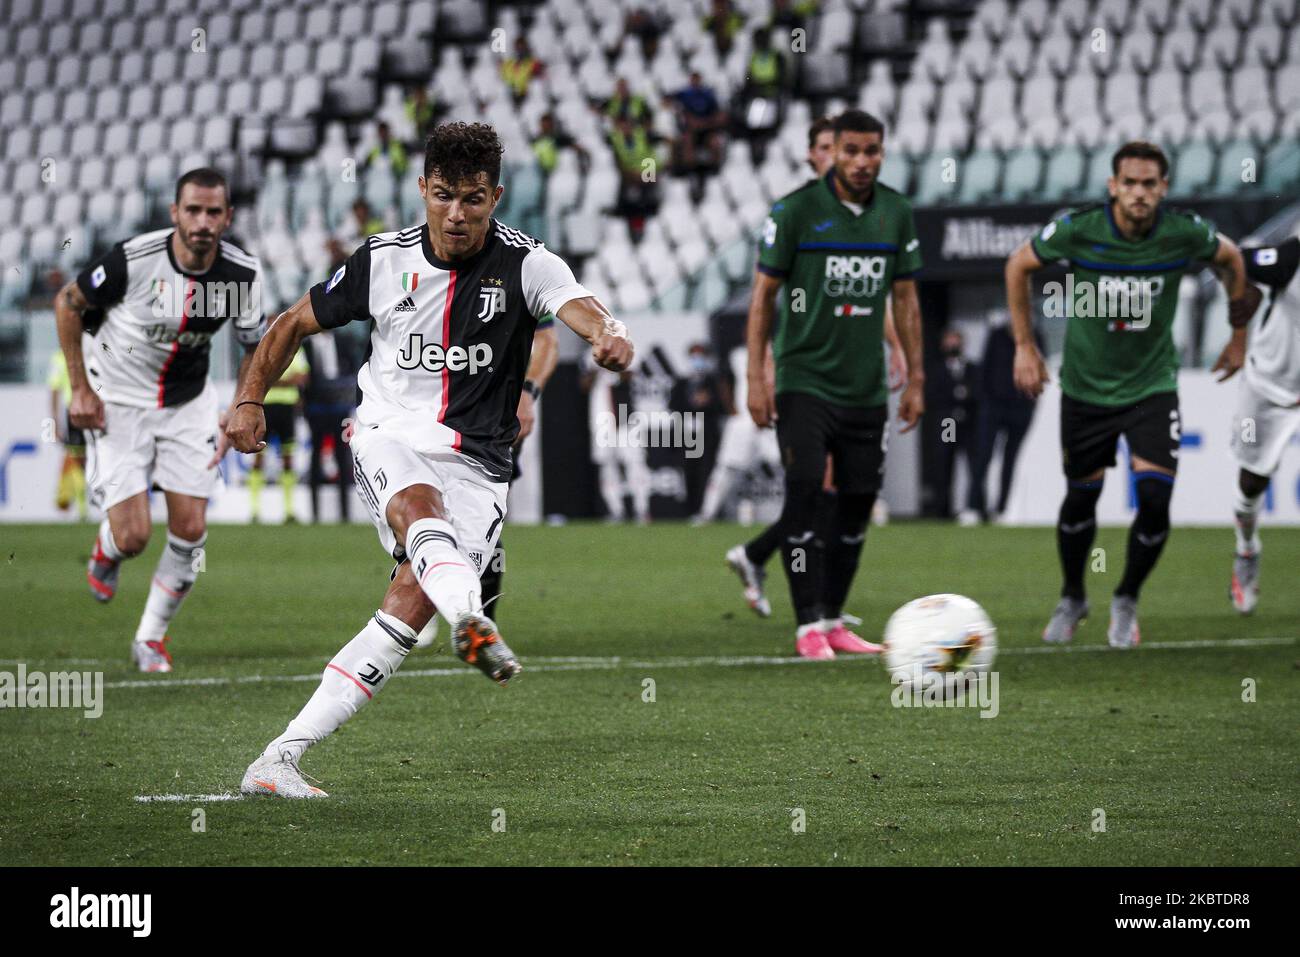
(760, 549)
(844, 548)
(490, 581)
(1076, 527)
(801, 552)
(1149, 532)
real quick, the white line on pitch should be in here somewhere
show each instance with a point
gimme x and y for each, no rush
(616, 663)
(186, 798)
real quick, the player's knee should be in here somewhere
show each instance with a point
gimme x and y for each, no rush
(1154, 491)
(188, 529)
(412, 504)
(853, 511)
(1081, 499)
(406, 600)
(1252, 485)
(132, 539)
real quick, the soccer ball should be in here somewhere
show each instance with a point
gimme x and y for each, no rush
(939, 635)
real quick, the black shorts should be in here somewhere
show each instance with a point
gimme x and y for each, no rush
(1090, 433)
(279, 423)
(809, 428)
(74, 439)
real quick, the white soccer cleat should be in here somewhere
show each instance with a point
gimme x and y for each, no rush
(279, 777)
(1068, 615)
(152, 656)
(476, 641)
(1123, 631)
(752, 577)
(968, 518)
(1244, 588)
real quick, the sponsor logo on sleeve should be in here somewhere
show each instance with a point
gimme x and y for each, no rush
(98, 277)
(336, 278)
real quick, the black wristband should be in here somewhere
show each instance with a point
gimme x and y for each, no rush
(251, 402)
(1241, 310)
(532, 388)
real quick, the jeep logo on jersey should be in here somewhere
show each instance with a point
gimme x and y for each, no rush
(854, 275)
(492, 299)
(165, 334)
(416, 354)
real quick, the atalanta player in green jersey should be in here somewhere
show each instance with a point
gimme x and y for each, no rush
(1119, 370)
(841, 246)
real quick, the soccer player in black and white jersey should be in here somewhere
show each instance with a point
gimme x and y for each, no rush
(455, 302)
(1268, 403)
(140, 389)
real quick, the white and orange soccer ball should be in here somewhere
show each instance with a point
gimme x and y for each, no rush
(939, 635)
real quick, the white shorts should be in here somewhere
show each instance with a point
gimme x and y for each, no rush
(475, 503)
(1261, 430)
(744, 445)
(138, 449)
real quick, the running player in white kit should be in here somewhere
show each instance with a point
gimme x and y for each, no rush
(1268, 404)
(454, 303)
(141, 392)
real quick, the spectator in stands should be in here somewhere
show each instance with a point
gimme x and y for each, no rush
(420, 110)
(1003, 410)
(951, 403)
(389, 149)
(638, 192)
(551, 138)
(701, 121)
(624, 104)
(788, 17)
(352, 231)
(761, 101)
(723, 23)
(647, 26)
(519, 70)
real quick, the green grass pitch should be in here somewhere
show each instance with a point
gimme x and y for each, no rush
(573, 766)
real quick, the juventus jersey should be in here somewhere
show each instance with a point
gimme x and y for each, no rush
(1273, 356)
(151, 349)
(450, 341)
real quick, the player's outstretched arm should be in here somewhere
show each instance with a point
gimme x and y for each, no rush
(907, 323)
(86, 410)
(611, 347)
(758, 330)
(246, 429)
(1243, 299)
(1030, 371)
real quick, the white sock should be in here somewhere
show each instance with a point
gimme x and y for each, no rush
(442, 571)
(1246, 511)
(106, 543)
(171, 583)
(611, 489)
(804, 629)
(830, 624)
(354, 676)
(721, 482)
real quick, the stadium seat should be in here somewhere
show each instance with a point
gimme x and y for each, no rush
(1239, 168)
(1140, 52)
(1021, 174)
(1198, 14)
(1115, 15)
(1063, 179)
(150, 138)
(1282, 167)
(85, 141)
(36, 75)
(977, 179)
(75, 109)
(936, 180)
(99, 70)
(160, 173)
(1223, 48)
(1193, 168)
(1057, 54)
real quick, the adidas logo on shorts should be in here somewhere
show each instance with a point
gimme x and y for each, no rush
(406, 305)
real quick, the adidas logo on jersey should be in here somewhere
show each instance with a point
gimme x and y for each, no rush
(406, 305)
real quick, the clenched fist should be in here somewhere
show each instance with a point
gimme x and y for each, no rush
(246, 429)
(612, 352)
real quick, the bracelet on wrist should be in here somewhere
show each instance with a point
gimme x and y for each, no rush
(532, 388)
(251, 402)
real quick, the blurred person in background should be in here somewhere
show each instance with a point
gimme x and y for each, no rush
(388, 149)
(550, 139)
(329, 396)
(637, 158)
(1003, 411)
(519, 70)
(620, 461)
(281, 405)
(701, 122)
(952, 400)
(722, 23)
(420, 110)
(72, 473)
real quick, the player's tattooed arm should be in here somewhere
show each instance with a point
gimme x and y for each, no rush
(907, 322)
(70, 305)
(1243, 299)
(611, 347)
(246, 429)
(758, 330)
(1030, 371)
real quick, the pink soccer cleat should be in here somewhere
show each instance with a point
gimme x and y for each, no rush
(101, 574)
(813, 644)
(841, 639)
